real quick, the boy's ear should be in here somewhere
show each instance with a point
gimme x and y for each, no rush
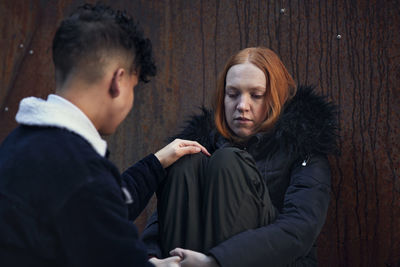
(115, 88)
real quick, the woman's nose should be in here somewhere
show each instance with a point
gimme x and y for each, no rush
(243, 104)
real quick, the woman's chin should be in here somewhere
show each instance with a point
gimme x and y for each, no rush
(243, 134)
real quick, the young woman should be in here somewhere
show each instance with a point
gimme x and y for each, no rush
(261, 198)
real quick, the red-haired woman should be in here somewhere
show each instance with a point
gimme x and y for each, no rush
(261, 198)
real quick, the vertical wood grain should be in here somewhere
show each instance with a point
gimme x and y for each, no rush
(193, 39)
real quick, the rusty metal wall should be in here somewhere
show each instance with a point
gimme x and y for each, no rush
(348, 48)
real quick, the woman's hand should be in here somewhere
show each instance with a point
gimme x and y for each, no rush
(192, 258)
(167, 262)
(176, 149)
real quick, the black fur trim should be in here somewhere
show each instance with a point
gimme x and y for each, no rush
(306, 126)
(198, 128)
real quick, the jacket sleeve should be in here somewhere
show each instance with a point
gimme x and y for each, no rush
(296, 228)
(94, 230)
(150, 236)
(140, 182)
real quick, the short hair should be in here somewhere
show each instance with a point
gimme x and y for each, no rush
(94, 33)
(280, 87)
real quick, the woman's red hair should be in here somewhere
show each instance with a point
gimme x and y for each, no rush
(280, 86)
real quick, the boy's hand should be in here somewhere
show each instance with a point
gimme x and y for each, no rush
(176, 149)
(192, 258)
(167, 262)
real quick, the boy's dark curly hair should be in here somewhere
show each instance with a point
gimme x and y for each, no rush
(93, 30)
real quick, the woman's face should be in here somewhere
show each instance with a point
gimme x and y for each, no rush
(245, 103)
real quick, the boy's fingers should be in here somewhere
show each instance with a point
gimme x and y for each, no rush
(196, 144)
(188, 150)
(175, 258)
(177, 252)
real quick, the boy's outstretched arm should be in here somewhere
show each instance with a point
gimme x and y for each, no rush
(140, 181)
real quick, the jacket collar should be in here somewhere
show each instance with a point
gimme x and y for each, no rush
(59, 112)
(307, 125)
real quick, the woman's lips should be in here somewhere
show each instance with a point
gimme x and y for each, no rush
(242, 120)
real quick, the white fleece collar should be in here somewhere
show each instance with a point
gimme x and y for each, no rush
(59, 112)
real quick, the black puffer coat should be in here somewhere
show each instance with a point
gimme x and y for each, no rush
(292, 160)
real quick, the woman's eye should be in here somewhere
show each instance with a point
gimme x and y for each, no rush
(232, 95)
(257, 96)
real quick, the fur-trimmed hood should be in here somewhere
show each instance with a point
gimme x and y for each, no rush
(306, 126)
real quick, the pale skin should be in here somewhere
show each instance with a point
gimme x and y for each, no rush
(192, 258)
(107, 102)
(245, 111)
(245, 103)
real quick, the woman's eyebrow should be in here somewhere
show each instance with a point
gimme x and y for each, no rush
(230, 88)
(260, 89)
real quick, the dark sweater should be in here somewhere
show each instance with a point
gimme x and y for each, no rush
(62, 204)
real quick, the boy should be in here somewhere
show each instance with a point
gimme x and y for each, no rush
(62, 203)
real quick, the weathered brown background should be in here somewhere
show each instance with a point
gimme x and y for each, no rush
(192, 39)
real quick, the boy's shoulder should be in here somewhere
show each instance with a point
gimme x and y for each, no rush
(54, 158)
(37, 143)
(45, 166)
